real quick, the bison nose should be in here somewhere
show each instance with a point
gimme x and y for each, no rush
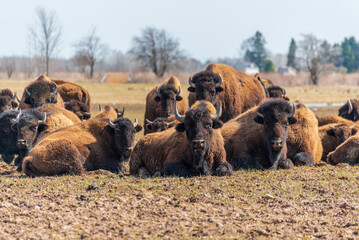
(21, 143)
(128, 151)
(198, 144)
(277, 142)
(86, 115)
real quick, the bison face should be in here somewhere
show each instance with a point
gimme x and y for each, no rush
(8, 139)
(41, 93)
(29, 124)
(79, 108)
(167, 95)
(276, 116)
(199, 124)
(207, 86)
(159, 125)
(6, 103)
(277, 92)
(341, 133)
(125, 132)
(349, 110)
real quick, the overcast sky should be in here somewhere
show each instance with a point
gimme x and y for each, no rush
(205, 28)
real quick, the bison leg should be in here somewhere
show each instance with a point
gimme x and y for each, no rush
(285, 164)
(303, 158)
(224, 169)
(7, 158)
(177, 169)
(143, 173)
(245, 162)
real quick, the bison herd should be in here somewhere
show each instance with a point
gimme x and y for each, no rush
(234, 121)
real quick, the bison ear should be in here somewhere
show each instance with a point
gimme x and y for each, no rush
(179, 98)
(14, 127)
(27, 100)
(149, 126)
(42, 127)
(180, 127)
(219, 89)
(292, 120)
(354, 131)
(330, 132)
(217, 124)
(157, 98)
(259, 119)
(191, 89)
(138, 128)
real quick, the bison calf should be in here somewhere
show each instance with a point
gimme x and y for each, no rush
(159, 125)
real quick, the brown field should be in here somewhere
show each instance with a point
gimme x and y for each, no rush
(304, 202)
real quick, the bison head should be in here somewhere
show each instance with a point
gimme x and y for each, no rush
(206, 85)
(276, 115)
(350, 110)
(29, 124)
(8, 139)
(40, 93)
(159, 125)
(8, 100)
(167, 95)
(81, 110)
(277, 92)
(341, 133)
(199, 122)
(124, 131)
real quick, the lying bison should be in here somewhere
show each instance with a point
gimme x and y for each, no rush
(86, 146)
(350, 110)
(7, 100)
(219, 83)
(81, 110)
(109, 112)
(8, 139)
(347, 152)
(273, 135)
(333, 119)
(277, 92)
(194, 147)
(332, 135)
(159, 125)
(160, 100)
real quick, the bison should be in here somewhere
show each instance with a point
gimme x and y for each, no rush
(332, 135)
(81, 110)
(109, 112)
(347, 152)
(161, 99)
(237, 92)
(159, 125)
(350, 110)
(8, 140)
(277, 92)
(7, 100)
(275, 134)
(40, 92)
(90, 145)
(333, 119)
(195, 146)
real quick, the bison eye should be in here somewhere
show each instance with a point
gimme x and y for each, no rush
(33, 129)
(208, 125)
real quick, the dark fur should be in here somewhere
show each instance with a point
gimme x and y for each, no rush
(354, 114)
(7, 100)
(159, 125)
(81, 110)
(277, 92)
(8, 139)
(347, 152)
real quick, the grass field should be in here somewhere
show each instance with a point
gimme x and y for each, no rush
(302, 203)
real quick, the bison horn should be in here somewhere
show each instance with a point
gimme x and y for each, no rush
(111, 123)
(352, 126)
(99, 107)
(18, 116)
(170, 123)
(218, 114)
(190, 82)
(27, 92)
(14, 97)
(350, 106)
(220, 81)
(148, 121)
(135, 123)
(44, 119)
(333, 127)
(122, 113)
(157, 92)
(178, 116)
(260, 114)
(292, 111)
(55, 90)
(284, 92)
(179, 91)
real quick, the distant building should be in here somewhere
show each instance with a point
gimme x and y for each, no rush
(248, 68)
(287, 71)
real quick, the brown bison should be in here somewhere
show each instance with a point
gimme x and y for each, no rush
(159, 125)
(33, 124)
(8, 139)
(350, 110)
(194, 147)
(219, 83)
(8, 100)
(275, 134)
(332, 135)
(109, 112)
(347, 152)
(90, 145)
(277, 92)
(266, 82)
(333, 119)
(81, 110)
(160, 100)
(39, 92)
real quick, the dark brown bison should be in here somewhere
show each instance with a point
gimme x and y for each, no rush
(81, 110)
(347, 152)
(333, 119)
(194, 147)
(277, 92)
(8, 100)
(32, 124)
(236, 91)
(266, 82)
(159, 125)
(40, 92)
(332, 135)
(160, 100)
(86, 146)
(8, 139)
(350, 110)
(256, 139)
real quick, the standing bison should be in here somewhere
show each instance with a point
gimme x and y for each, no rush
(194, 147)
(219, 83)
(160, 101)
(273, 135)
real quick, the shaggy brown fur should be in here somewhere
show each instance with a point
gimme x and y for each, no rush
(40, 88)
(86, 146)
(81, 110)
(332, 119)
(332, 135)
(277, 92)
(244, 138)
(7, 100)
(154, 108)
(350, 113)
(161, 124)
(240, 91)
(154, 152)
(347, 152)
(109, 112)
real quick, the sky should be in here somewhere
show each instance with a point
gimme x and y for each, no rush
(206, 29)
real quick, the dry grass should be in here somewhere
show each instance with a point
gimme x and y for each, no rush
(307, 203)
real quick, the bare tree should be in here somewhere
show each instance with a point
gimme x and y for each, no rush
(157, 50)
(45, 36)
(89, 51)
(9, 65)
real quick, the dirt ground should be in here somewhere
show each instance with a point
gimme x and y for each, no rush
(302, 203)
